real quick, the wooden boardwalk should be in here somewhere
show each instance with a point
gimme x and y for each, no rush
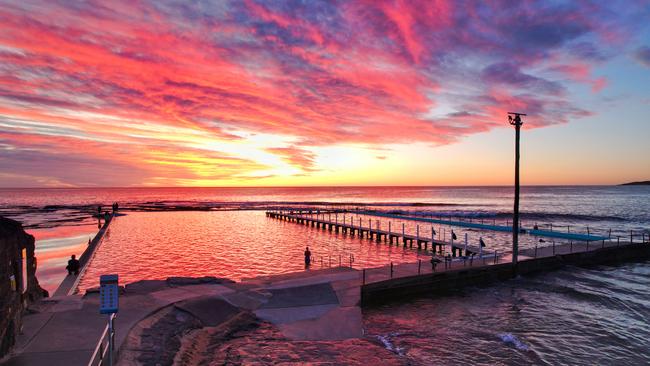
(390, 236)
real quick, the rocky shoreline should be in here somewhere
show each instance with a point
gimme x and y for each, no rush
(176, 335)
(310, 317)
(287, 319)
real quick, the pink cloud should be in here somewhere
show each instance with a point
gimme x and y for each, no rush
(320, 73)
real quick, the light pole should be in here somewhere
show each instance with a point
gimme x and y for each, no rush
(515, 120)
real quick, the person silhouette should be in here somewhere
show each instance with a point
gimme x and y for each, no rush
(73, 265)
(307, 257)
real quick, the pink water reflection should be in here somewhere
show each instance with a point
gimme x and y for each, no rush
(233, 244)
(54, 246)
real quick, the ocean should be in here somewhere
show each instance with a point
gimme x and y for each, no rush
(572, 316)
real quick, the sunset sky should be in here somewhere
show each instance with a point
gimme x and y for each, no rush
(256, 93)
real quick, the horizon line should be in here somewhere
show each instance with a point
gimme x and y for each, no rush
(326, 186)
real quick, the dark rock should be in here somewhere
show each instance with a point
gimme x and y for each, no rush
(18, 285)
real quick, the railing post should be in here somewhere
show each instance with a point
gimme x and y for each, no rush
(391, 269)
(419, 265)
(111, 339)
(364, 276)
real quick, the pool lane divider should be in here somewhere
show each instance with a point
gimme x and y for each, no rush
(69, 284)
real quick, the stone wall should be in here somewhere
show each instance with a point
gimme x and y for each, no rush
(13, 301)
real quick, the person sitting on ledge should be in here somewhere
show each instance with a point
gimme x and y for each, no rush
(73, 266)
(307, 257)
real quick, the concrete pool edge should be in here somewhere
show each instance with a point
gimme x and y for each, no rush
(397, 289)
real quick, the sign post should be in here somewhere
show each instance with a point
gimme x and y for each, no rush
(109, 304)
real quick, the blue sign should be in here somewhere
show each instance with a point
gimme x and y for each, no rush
(108, 294)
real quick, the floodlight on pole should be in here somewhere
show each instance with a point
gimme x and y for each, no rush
(514, 118)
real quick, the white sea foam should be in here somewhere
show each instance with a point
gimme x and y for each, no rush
(509, 338)
(385, 340)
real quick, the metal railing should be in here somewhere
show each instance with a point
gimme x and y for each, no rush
(420, 267)
(477, 219)
(104, 353)
(344, 260)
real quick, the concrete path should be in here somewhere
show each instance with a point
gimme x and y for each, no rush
(66, 329)
(379, 274)
(319, 305)
(310, 305)
(69, 284)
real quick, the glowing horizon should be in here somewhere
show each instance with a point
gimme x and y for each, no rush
(381, 93)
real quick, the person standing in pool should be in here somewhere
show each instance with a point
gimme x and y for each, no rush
(307, 257)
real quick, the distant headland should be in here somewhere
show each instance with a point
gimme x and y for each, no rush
(642, 183)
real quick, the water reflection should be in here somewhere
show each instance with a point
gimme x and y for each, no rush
(233, 244)
(54, 246)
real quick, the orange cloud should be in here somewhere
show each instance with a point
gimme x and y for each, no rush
(163, 93)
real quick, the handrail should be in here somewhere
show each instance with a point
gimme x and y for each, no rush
(104, 344)
(99, 349)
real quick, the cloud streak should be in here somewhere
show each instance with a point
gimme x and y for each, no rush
(160, 89)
